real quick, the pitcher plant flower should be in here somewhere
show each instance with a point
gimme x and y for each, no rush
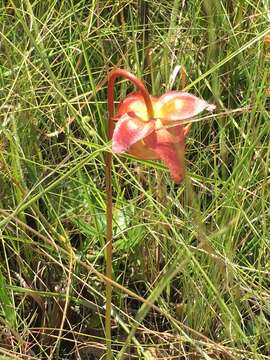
(149, 127)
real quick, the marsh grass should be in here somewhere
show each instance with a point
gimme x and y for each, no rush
(210, 287)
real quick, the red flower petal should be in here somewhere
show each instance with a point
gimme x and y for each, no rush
(130, 129)
(134, 102)
(173, 157)
(169, 145)
(176, 105)
(141, 151)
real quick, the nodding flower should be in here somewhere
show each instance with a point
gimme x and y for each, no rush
(148, 128)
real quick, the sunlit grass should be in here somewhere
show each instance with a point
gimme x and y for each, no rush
(199, 251)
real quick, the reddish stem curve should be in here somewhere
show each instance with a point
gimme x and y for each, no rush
(113, 75)
(138, 83)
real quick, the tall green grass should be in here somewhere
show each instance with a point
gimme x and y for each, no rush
(191, 262)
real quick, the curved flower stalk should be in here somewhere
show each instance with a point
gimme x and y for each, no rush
(148, 128)
(108, 178)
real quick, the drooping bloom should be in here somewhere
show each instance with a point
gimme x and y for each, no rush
(158, 137)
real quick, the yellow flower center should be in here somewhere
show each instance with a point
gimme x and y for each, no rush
(160, 110)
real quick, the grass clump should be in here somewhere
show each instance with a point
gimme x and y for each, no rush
(199, 252)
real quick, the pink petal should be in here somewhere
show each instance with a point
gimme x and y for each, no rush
(169, 145)
(173, 157)
(129, 130)
(133, 102)
(141, 151)
(176, 105)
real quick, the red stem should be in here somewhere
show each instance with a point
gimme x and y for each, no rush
(137, 82)
(108, 176)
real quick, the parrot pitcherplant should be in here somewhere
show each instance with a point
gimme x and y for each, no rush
(148, 128)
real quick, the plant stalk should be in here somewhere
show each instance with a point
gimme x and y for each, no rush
(108, 176)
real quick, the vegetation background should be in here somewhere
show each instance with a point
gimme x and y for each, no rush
(199, 251)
